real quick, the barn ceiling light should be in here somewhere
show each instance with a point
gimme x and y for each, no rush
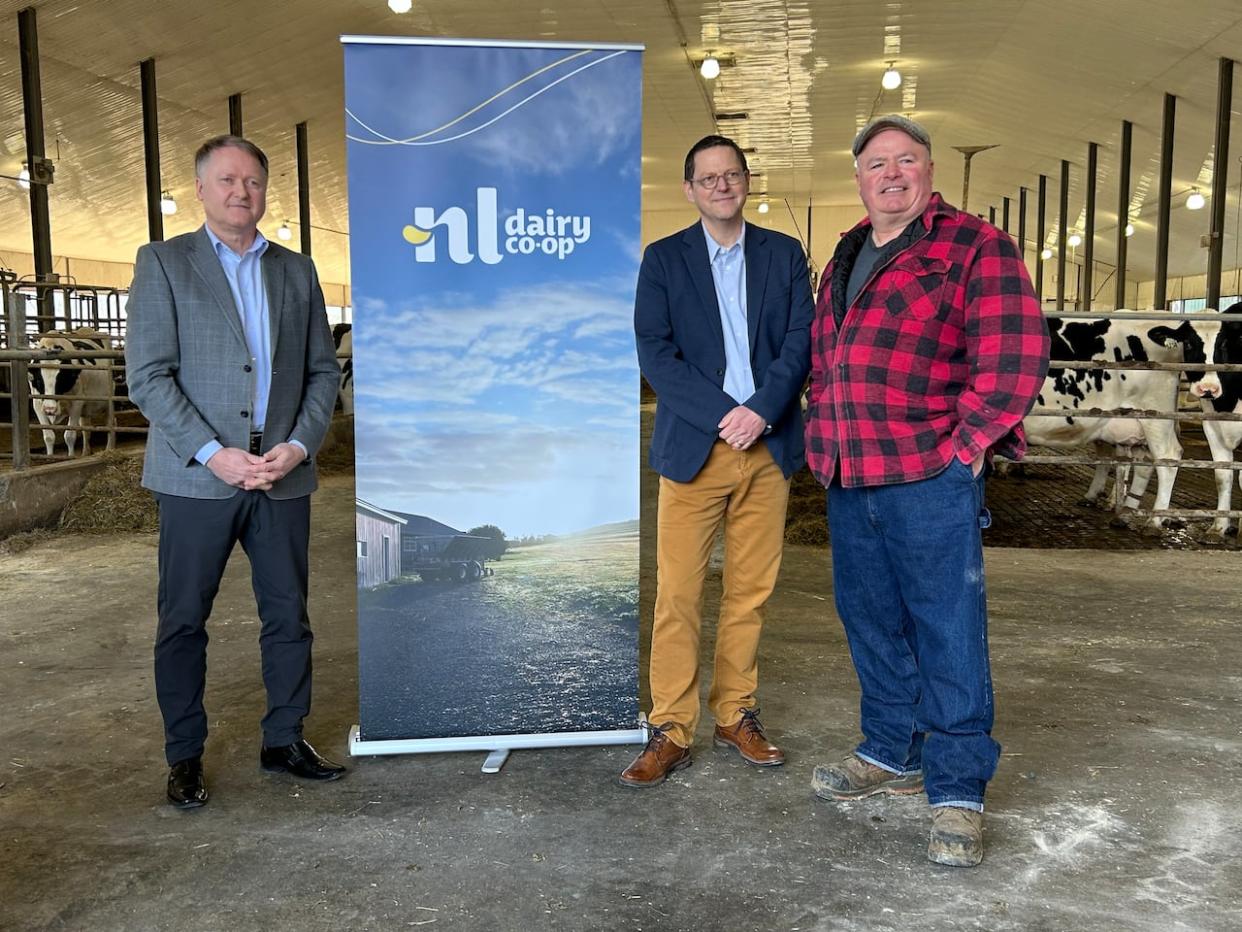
(1046, 254)
(168, 206)
(763, 206)
(1129, 229)
(1074, 240)
(1195, 200)
(400, 6)
(283, 232)
(709, 66)
(892, 78)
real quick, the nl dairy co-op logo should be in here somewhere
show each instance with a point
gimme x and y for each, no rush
(525, 233)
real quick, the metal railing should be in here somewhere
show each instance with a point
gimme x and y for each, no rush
(17, 358)
(62, 306)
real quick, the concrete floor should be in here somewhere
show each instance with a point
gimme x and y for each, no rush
(1117, 805)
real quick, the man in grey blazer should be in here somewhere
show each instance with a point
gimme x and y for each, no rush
(230, 357)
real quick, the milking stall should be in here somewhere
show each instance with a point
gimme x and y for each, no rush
(475, 184)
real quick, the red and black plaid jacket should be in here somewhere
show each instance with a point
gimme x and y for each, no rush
(942, 353)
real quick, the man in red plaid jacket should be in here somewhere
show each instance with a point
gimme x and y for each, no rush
(928, 349)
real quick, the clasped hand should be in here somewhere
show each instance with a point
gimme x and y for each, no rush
(247, 471)
(741, 427)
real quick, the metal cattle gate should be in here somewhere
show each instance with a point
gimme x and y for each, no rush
(60, 308)
(31, 310)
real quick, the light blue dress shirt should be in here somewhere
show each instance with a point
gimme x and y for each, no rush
(729, 274)
(245, 277)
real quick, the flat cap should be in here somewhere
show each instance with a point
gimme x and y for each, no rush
(891, 121)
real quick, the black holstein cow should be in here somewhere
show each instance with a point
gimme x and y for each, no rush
(1225, 396)
(1068, 390)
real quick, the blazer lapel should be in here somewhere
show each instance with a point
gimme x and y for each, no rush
(699, 264)
(207, 264)
(274, 282)
(758, 258)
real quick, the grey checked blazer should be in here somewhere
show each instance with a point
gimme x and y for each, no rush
(188, 364)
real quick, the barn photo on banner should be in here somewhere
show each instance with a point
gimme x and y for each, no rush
(494, 199)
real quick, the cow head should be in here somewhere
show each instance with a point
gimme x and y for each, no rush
(1227, 350)
(1201, 342)
(43, 379)
(49, 377)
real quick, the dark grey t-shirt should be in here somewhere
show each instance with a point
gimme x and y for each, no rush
(864, 263)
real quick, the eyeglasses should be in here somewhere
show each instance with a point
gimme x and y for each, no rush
(731, 178)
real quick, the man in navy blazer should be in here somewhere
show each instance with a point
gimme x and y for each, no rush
(722, 319)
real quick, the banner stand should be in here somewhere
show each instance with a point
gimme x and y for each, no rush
(496, 746)
(495, 231)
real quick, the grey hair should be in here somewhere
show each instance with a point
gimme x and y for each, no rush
(227, 142)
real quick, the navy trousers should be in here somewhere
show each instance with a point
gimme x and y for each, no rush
(196, 538)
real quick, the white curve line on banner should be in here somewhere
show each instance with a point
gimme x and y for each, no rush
(474, 109)
(520, 103)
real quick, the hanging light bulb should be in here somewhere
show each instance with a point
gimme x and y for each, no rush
(763, 206)
(283, 232)
(400, 6)
(1074, 240)
(892, 78)
(1196, 200)
(23, 177)
(1129, 229)
(168, 206)
(710, 69)
(1046, 254)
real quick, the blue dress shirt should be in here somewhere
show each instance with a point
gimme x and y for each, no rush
(729, 275)
(245, 277)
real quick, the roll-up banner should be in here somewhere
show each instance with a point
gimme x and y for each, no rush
(494, 198)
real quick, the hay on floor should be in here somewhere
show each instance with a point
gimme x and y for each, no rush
(112, 500)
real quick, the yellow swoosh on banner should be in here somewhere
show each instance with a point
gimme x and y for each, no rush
(416, 236)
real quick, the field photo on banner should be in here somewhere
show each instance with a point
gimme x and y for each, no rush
(494, 236)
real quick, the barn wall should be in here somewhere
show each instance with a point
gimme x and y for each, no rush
(829, 221)
(1192, 286)
(120, 274)
(1104, 286)
(372, 529)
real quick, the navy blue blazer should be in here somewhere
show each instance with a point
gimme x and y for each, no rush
(681, 346)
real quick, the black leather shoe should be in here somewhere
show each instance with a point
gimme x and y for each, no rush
(301, 760)
(186, 789)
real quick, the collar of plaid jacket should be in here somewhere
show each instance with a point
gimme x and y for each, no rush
(851, 243)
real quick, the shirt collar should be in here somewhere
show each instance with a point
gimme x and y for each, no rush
(257, 248)
(715, 249)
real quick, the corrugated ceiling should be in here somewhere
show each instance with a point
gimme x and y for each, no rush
(1039, 79)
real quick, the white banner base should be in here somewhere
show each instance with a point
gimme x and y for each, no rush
(493, 743)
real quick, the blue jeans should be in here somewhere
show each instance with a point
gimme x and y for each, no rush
(907, 569)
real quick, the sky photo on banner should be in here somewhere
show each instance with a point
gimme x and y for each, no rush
(494, 242)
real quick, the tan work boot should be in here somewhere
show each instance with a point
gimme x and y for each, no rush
(659, 758)
(956, 837)
(854, 778)
(747, 738)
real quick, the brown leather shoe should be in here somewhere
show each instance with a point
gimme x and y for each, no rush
(659, 758)
(746, 737)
